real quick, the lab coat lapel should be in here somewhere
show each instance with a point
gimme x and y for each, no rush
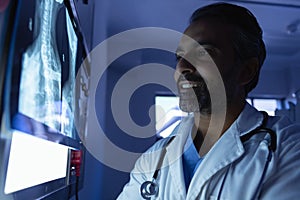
(174, 154)
(226, 150)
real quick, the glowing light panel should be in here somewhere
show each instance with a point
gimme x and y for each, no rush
(33, 161)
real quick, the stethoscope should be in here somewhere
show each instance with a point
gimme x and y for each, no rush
(150, 189)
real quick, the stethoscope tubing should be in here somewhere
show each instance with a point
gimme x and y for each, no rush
(150, 188)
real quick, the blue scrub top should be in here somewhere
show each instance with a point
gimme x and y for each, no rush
(190, 161)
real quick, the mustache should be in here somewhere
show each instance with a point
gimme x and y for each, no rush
(191, 77)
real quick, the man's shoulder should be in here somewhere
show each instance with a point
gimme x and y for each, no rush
(284, 125)
(288, 132)
(160, 144)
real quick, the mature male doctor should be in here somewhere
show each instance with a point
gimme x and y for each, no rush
(252, 155)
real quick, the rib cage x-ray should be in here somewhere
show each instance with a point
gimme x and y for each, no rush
(41, 95)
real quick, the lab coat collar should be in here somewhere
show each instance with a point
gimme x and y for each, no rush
(249, 119)
(226, 150)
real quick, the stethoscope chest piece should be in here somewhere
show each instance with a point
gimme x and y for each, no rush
(149, 189)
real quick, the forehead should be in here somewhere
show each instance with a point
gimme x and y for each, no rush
(209, 31)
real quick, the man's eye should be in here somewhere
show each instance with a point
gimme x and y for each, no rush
(203, 52)
(211, 51)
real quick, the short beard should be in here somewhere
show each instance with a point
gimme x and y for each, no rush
(196, 99)
(198, 102)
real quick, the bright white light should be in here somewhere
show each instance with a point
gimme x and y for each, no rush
(268, 105)
(33, 161)
(167, 132)
(166, 112)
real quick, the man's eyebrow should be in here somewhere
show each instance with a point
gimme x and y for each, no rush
(206, 43)
(202, 43)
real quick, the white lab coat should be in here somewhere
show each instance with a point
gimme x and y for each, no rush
(231, 169)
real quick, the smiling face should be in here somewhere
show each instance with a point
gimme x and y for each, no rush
(215, 49)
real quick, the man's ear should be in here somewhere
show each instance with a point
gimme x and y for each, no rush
(249, 70)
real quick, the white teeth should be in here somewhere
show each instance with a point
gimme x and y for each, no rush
(189, 85)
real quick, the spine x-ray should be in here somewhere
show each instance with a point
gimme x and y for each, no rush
(43, 96)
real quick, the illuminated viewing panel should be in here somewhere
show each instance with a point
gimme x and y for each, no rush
(33, 161)
(45, 49)
(44, 97)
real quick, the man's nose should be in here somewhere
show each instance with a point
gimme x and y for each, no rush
(183, 67)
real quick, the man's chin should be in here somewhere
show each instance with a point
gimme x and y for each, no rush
(189, 108)
(192, 107)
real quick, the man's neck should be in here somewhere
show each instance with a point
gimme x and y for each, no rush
(205, 127)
